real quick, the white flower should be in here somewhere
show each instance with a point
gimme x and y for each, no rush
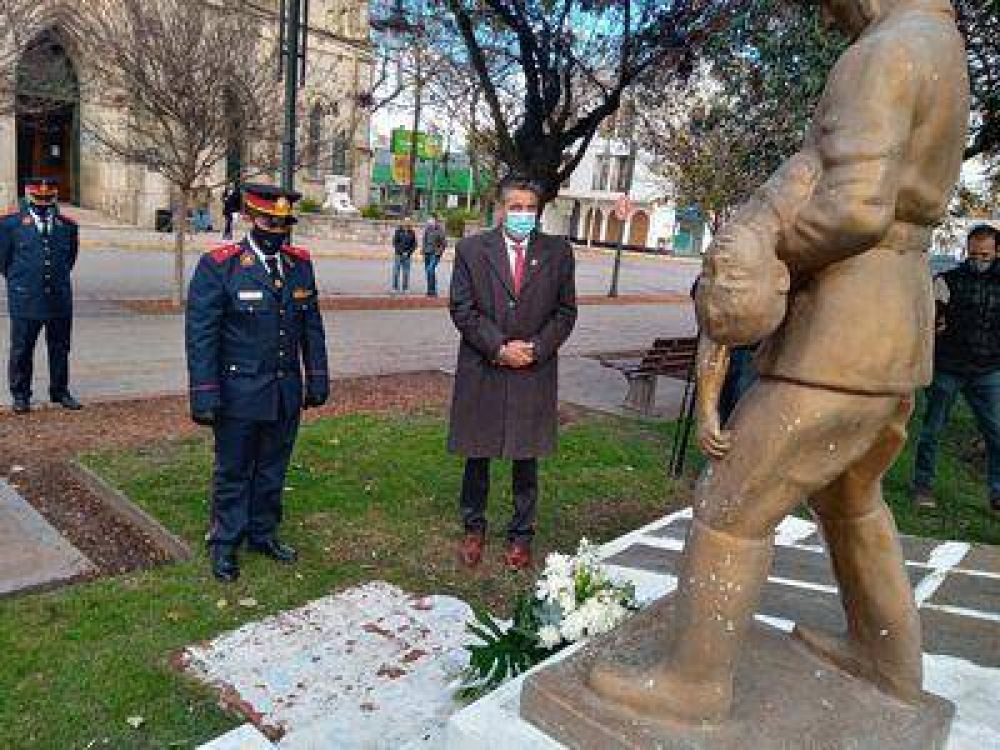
(574, 626)
(549, 636)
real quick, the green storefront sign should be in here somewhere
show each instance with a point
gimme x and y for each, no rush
(429, 145)
(445, 180)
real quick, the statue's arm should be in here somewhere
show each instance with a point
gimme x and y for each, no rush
(860, 136)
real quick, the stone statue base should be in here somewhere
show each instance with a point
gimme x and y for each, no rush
(785, 697)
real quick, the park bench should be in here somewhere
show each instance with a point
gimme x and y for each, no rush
(672, 358)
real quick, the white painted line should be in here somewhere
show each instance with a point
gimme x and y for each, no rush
(975, 614)
(624, 542)
(804, 584)
(942, 559)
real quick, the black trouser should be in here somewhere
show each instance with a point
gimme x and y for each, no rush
(476, 488)
(23, 335)
(251, 460)
(227, 232)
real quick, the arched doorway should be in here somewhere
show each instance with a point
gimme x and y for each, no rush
(638, 233)
(615, 228)
(48, 116)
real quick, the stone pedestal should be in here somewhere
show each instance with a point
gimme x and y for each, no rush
(785, 697)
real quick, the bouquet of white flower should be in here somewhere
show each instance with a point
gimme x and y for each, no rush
(574, 598)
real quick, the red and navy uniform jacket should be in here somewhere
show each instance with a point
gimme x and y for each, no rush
(249, 342)
(38, 268)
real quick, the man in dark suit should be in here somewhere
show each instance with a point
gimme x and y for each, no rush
(38, 249)
(513, 299)
(253, 321)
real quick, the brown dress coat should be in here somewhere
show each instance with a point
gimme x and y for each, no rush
(499, 412)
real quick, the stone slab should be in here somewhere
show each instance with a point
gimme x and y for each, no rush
(975, 592)
(973, 639)
(982, 557)
(791, 563)
(245, 737)
(370, 667)
(33, 554)
(784, 697)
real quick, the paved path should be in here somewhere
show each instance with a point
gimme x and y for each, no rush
(115, 354)
(34, 554)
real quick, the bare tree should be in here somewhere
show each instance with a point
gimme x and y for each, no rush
(181, 81)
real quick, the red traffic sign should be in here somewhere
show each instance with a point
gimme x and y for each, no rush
(623, 207)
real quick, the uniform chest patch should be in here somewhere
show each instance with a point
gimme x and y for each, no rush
(247, 260)
(300, 293)
(250, 295)
(26, 221)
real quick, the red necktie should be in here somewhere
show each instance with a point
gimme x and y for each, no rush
(518, 266)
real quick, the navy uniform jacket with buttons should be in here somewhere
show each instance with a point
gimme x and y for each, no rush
(247, 342)
(38, 269)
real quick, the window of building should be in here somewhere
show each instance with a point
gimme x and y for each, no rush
(315, 138)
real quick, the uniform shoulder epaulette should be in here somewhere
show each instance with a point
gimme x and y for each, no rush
(299, 252)
(222, 253)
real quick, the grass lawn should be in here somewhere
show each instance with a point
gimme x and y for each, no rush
(370, 497)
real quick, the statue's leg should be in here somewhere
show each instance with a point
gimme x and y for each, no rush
(789, 441)
(882, 643)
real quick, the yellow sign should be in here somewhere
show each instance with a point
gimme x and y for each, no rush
(401, 169)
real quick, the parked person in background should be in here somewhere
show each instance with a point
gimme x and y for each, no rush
(434, 245)
(966, 360)
(513, 300)
(230, 207)
(404, 243)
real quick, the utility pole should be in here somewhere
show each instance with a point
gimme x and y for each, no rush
(411, 203)
(294, 23)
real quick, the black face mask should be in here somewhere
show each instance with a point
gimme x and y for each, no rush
(268, 242)
(42, 210)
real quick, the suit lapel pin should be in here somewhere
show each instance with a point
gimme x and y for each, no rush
(534, 261)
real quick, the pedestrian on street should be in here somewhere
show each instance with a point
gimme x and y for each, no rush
(434, 245)
(230, 208)
(404, 243)
(38, 250)
(253, 324)
(513, 299)
(201, 218)
(966, 361)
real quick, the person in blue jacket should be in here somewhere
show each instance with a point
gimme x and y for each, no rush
(38, 249)
(256, 354)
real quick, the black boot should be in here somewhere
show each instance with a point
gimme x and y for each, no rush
(225, 566)
(66, 401)
(275, 550)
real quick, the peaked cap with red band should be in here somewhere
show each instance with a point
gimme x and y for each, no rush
(269, 200)
(41, 188)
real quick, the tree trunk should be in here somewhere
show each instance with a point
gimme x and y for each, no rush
(180, 229)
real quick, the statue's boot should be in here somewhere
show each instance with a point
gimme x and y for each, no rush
(882, 642)
(715, 599)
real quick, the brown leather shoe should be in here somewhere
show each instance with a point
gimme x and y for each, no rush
(518, 555)
(470, 551)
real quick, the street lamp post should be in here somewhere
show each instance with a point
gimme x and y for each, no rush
(294, 25)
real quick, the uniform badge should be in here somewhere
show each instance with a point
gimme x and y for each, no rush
(282, 206)
(247, 295)
(246, 260)
(278, 283)
(301, 293)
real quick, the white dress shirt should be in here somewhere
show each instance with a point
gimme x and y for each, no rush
(42, 224)
(263, 258)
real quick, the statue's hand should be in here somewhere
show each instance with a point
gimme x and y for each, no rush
(714, 441)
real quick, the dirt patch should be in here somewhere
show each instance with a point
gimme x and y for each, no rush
(35, 450)
(409, 302)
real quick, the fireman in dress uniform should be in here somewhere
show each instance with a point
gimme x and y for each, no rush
(256, 354)
(38, 249)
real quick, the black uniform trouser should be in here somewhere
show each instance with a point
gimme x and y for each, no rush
(476, 488)
(23, 336)
(251, 460)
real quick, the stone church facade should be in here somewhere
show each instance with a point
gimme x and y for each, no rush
(333, 127)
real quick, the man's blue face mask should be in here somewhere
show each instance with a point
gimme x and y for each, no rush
(519, 224)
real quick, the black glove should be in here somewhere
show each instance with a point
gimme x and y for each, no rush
(204, 418)
(313, 399)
